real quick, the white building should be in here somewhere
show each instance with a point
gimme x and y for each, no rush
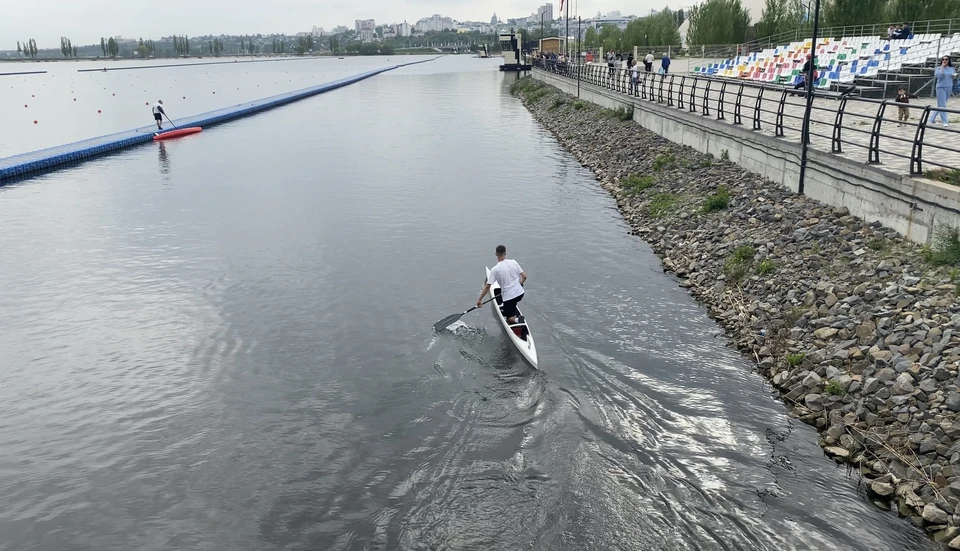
(317, 32)
(546, 11)
(340, 29)
(365, 25)
(435, 23)
(404, 29)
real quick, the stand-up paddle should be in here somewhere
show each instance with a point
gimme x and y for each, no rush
(445, 322)
(170, 121)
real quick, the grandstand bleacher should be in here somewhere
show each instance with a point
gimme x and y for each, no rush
(877, 65)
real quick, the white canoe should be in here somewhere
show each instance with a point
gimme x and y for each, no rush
(525, 345)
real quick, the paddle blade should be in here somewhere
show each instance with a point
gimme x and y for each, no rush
(446, 322)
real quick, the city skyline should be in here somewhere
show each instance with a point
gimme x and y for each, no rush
(85, 24)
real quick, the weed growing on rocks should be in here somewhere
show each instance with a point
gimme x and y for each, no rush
(623, 113)
(635, 183)
(793, 360)
(717, 201)
(662, 203)
(738, 264)
(766, 266)
(946, 247)
(664, 160)
(725, 155)
(578, 105)
(833, 388)
(557, 103)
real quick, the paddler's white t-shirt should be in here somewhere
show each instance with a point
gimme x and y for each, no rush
(507, 275)
(156, 111)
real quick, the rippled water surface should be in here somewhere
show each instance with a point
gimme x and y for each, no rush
(225, 342)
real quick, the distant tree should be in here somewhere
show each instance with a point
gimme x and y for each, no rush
(918, 10)
(780, 16)
(719, 22)
(33, 48)
(590, 39)
(74, 52)
(659, 29)
(113, 48)
(335, 44)
(241, 46)
(103, 46)
(681, 17)
(386, 49)
(19, 51)
(840, 13)
(370, 48)
(611, 37)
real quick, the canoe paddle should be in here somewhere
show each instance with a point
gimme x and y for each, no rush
(170, 121)
(445, 322)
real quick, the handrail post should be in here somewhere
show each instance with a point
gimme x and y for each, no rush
(736, 108)
(705, 108)
(680, 94)
(778, 131)
(837, 145)
(693, 96)
(873, 154)
(723, 92)
(756, 109)
(916, 154)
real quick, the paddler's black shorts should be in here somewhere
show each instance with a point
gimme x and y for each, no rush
(510, 307)
(157, 116)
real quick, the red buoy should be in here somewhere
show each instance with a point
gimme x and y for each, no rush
(24, 104)
(98, 110)
(34, 122)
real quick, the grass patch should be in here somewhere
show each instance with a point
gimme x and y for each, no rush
(662, 203)
(707, 160)
(834, 388)
(535, 95)
(951, 177)
(664, 160)
(525, 85)
(557, 103)
(738, 264)
(578, 105)
(793, 360)
(623, 113)
(945, 250)
(717, 201)
(635, 183)
(878, 244)
(766, 267)
(954, 275)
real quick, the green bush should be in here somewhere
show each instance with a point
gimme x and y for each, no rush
(951, 177)
(718, 201)
(878, 244)
(578, 105)
(664, 160)
(534, 95)
(725, 155)
(793, 360)
(738, 264)
(661, 204)
(945, 250)
(766, 266)
(623, 113)
(834, 388)
(557, 102)
(524, 85)
(634, 183)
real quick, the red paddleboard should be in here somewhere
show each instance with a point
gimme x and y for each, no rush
(176, 133)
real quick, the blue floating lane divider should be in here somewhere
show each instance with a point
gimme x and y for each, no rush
(45, 160)
(23, 73)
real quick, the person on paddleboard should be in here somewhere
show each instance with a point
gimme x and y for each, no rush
(510, 276)
(158, 114)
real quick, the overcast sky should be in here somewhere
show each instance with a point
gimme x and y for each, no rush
(85, 21)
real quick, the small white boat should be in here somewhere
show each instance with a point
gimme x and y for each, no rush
(518, 333)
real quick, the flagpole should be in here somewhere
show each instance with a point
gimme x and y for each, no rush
(566, 34)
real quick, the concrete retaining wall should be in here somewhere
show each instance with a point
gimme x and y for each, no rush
(911, 206)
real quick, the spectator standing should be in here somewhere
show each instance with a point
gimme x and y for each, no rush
(944, 79)
(634, 77)
(648, 62)
(665, 63)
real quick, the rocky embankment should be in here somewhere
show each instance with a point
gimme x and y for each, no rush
(857, 328)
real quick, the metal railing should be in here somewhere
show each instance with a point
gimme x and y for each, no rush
(868, 130)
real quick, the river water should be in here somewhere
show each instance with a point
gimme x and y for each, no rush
(225, 342)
